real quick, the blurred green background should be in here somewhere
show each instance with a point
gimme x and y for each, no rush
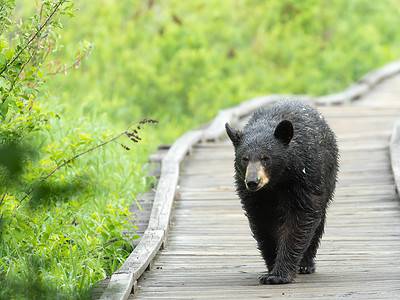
(175, 61)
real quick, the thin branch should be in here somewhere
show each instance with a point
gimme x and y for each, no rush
(1, 202)
(15, 80)
(133, 135)
(34, 36)
(2, 198)
(58, 167)
(66, 162)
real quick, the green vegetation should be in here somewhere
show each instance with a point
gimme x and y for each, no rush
(118, 61)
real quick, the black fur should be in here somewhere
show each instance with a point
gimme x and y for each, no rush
(299, 153)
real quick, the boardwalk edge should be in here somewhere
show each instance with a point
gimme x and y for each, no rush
(124, 280)
(361, 87)
(395, 154)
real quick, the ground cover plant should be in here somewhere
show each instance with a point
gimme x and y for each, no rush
(116, 62)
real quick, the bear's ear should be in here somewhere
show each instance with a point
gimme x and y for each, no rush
(284, 131)
(234, 134)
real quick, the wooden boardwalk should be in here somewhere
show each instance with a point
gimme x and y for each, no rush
(210, 253)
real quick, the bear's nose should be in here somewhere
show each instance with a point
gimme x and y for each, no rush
(252, 185)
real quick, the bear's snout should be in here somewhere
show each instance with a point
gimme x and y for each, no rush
(256, 177)
(252, 185)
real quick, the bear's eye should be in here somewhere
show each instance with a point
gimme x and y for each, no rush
(265, 158)
(245, 159)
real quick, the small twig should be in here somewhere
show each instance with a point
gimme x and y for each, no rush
(109, 242)
(34, 36)
(41, 12)
(75, 64)
(47, 53)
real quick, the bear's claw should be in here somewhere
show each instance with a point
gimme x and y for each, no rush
(307, 269)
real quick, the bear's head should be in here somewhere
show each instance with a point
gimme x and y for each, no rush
(261, 153)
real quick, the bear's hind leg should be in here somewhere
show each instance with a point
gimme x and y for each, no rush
(307, 264)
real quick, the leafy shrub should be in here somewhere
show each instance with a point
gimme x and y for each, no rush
(56, 237)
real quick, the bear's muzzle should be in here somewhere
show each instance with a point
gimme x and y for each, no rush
(256, 177)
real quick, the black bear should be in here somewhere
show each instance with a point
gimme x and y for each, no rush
(286, 163)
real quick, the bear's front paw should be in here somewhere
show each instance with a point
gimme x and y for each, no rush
(273, 279)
